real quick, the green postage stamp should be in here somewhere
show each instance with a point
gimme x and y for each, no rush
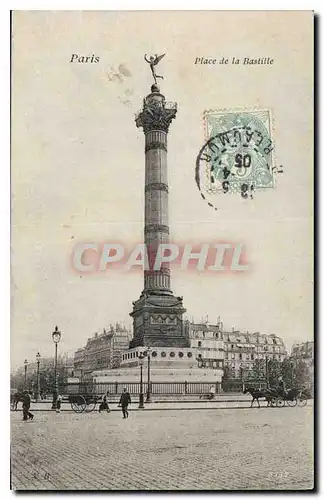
(238, 153)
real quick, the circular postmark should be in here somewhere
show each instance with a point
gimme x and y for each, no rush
(237, 156)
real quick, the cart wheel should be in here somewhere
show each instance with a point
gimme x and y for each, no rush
(273, 402)
(292, 402)
(90, 406)
(78, 404)
(280, 403)
(302, 402)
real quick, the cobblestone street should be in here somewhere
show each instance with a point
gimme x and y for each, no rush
(268, 448)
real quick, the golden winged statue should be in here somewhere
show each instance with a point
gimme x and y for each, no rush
(153, 61)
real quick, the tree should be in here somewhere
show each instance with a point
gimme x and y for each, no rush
(228, 374)
(274, 372)
(301, 374)
(258, 369)
(287, 372)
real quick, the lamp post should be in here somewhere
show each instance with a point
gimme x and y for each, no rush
(267, 370)
(141, 396)
(26, 364)
(56, 336)
(148, 394)
(292, 373)
(38, 356)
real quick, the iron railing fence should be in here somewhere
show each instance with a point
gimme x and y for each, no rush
(157, 388)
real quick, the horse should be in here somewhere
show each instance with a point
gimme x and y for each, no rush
(257, 394)
(16, 398)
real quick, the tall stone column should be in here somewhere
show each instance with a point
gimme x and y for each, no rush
(157, 315)
(155, 118)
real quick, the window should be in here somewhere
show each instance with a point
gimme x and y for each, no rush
(199, 355)
(240, 355)
(189, 354)
(180, 354)
(232, 346)
(233, 355)
(154, 354)
(163, 354)
(252, 357)
(172, 354)
(199, 343)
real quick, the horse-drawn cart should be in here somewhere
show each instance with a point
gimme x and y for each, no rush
(83, 402)
(277, 398)
(292, 397)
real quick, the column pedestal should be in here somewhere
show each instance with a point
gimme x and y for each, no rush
(157, 321)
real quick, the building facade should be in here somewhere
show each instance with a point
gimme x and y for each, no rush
(207, 340)
(47, 364)
(102, 351)
(304, 351)
(242, 350)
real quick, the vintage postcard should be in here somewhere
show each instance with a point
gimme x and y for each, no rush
(162, 250)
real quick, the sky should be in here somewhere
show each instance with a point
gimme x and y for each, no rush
(78, 168)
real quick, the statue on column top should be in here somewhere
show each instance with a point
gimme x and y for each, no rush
(153, 61)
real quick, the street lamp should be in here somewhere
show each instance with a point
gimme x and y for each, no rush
(148, 394)
(292, 373)
(25, 363)
(141, 396)
(56, 336)
(38, 356)
(267, 370)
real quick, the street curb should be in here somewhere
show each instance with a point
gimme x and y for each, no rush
(167, 409)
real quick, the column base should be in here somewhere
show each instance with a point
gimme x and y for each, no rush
(157, 320)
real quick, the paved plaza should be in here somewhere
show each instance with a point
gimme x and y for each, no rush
(206, 449)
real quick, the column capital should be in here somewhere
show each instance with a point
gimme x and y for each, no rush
(156, 113)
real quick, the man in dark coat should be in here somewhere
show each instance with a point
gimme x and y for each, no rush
(124, 401)
(281, 387)
(26, 405)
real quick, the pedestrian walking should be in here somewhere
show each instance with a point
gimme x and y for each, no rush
(104, 403)
(124, 401)
(26, 405)
(58, 403)
(212, 391)
(281, 387)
